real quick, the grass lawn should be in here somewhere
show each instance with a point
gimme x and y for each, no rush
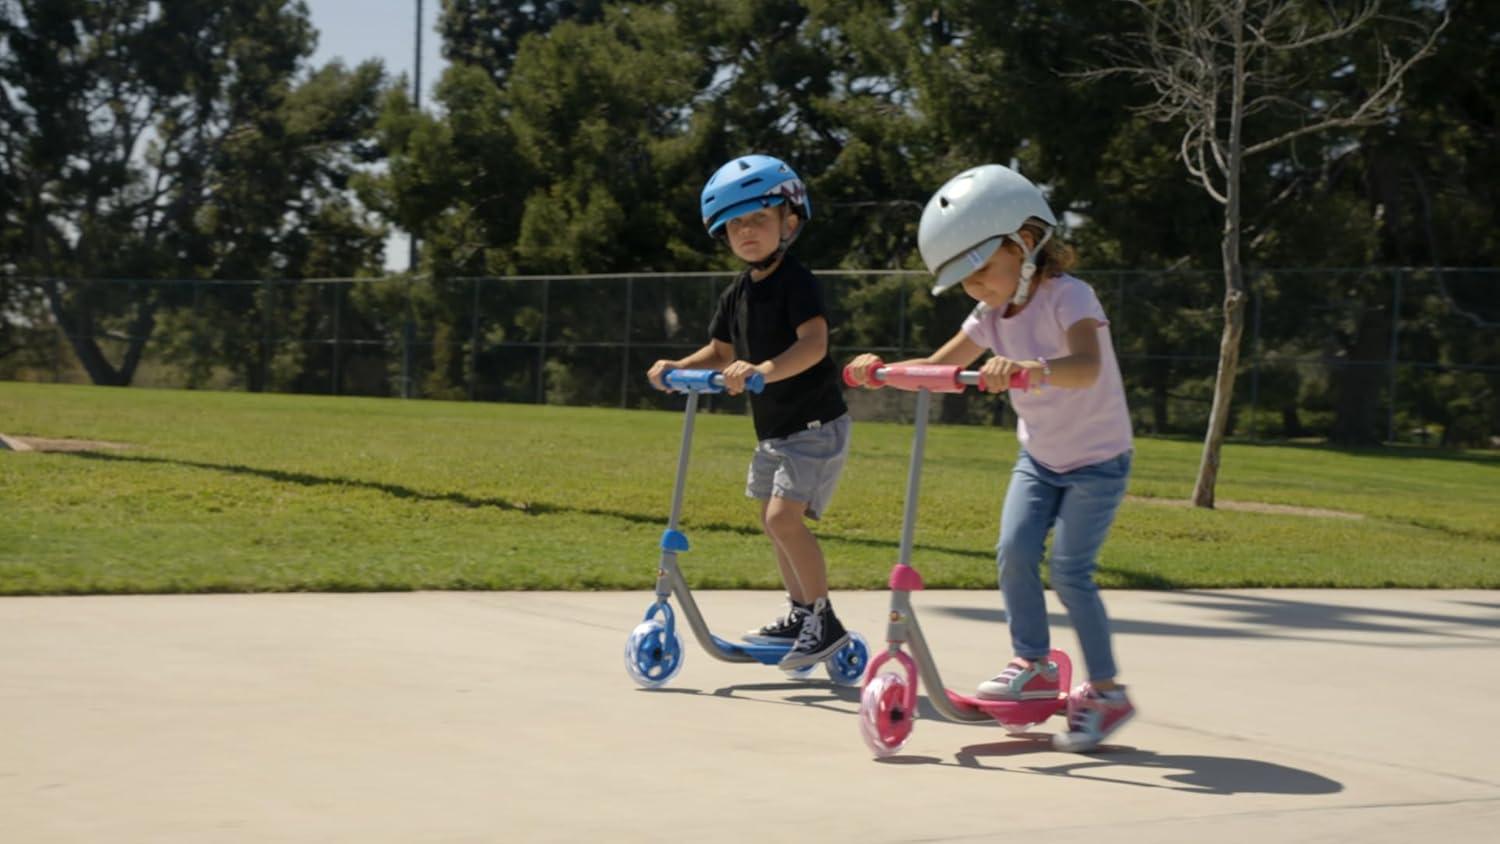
(243, 492)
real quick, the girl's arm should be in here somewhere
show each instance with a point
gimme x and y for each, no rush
(1077, 369)
(958, 351)
(1080, 368)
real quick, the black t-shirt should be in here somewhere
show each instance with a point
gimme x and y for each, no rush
(760, 319)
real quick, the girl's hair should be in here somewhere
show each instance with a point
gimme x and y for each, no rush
(1056, 257)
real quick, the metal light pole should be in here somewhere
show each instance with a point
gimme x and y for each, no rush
(409, 330)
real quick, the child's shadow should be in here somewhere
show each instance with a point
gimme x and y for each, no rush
(1192, 774)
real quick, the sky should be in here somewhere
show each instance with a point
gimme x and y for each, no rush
(355, 30)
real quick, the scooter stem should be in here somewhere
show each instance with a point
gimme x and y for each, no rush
(914, 476)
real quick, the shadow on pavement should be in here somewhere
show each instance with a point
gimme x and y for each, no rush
(1258, 616)
(815, 695)
(1218, 775)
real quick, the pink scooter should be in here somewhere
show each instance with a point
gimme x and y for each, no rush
(888, 702)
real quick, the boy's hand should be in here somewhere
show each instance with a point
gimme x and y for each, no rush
(861, 370)
(658, 372)
(735, 375)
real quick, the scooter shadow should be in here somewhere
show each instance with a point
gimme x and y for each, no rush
(1121, 765)
(814, 694)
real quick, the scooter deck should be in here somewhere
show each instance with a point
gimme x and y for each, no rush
(764, 654)
(1011, 711)
(1018, 712)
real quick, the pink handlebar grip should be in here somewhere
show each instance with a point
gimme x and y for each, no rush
(849, 382)
(1019, 380)
(934, 378)
(938, 379)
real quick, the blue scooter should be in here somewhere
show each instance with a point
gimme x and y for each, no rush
(653, 652)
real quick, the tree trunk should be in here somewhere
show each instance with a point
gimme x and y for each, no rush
(78, 327)
(1218, 417)
(1234, 282)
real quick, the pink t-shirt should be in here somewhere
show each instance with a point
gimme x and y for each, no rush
(1061, 428)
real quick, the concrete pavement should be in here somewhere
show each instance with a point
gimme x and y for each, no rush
(1294, 716)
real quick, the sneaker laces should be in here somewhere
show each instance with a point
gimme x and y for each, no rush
(786, 621)
(812, 633)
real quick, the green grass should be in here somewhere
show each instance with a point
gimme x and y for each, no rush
(241, 492)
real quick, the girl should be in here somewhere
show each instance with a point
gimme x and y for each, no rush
(989, 230)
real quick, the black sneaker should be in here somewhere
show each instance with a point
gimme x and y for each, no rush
(782, 631)
(821, 636)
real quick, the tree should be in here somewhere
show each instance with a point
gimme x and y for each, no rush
(166, 140)
(487, 34)
(1242, 78)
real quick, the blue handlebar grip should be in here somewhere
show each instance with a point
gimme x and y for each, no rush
(694, 381)
(708, 381)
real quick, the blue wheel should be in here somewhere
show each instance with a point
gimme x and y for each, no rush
(847, 665)
(652, 655)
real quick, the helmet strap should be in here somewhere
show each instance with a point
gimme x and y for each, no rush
(1028, 266)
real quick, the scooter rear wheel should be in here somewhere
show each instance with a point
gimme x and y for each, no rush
(847, 665)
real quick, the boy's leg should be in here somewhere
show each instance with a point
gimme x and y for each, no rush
(797, 550)
(759, 482)
(811, 463)
(808, 466)
(1088, 510)
(794, 586)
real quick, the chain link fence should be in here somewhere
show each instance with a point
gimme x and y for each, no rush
(1400, 354)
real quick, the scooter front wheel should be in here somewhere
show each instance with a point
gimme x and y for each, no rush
(885, 722)
(652, 657)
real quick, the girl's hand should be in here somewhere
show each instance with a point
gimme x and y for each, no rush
(735, 375)
(658, 372)
(995, 374)
(861, 370)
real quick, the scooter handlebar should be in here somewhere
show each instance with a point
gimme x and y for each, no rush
(707, 381)
(935, 378)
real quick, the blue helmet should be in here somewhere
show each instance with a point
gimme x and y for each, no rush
(749, 183)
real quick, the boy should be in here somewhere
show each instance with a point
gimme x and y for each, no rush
(772, 320)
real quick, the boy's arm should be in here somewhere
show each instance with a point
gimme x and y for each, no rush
(810, 347)
(716, 355)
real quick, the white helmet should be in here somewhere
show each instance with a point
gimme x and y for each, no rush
(970, 216)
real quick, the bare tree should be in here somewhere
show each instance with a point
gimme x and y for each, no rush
(1230, 71)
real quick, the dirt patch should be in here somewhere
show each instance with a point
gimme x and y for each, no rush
(1252, 507)
(14, 443)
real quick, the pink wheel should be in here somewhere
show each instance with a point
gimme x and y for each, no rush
(885, 719)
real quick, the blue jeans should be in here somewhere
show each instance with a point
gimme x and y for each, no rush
(1082, 505)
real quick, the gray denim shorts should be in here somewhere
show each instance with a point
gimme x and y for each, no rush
(802, 467)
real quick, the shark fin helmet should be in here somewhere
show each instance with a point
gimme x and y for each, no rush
(750, 183)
